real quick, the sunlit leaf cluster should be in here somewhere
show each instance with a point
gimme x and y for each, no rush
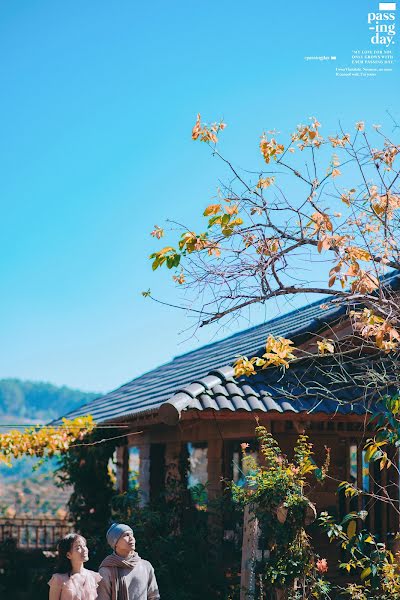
(44, 441)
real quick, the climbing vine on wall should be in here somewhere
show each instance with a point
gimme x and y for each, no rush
(276, 493)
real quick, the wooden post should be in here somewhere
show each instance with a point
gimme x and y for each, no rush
(384, 507)
(122, 469)
(173, 484)
(157, 470)
(144, 473)
(172, 460)
(214, 468)
(250, 554)
(214, 491)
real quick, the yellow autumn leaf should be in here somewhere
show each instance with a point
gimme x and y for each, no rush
(180, 279)
(244, 366)
(355, 253)
(165, 250)
(270, 148)
(278, 351)
(212, 209)
(369, 540)
(325, 345)
(364, 283)
(365, 573)
(206, 133)
(234, 222)
(265, 182)
(351, 529)
(158, 232)
(232, 210)
(197, 128)
(44, 441)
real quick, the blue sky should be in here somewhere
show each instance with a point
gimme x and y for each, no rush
(97, 104)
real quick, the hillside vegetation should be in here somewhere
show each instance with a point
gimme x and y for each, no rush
(24, 488)
(38, 401)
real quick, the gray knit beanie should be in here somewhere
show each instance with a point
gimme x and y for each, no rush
(115, 532)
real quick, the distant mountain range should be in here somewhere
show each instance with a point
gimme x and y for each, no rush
(24, 490)
(31, 401)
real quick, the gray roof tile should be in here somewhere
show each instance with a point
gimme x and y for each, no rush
(239, 403)
(270, 404)
(224, 402)
(209, 402)
(234, 390)
(254, 403)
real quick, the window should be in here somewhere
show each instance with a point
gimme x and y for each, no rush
(353, 464)
(198, 474)
(365, 478)
(112, 470)
(133, 467)
(365, 473)
(240, 468)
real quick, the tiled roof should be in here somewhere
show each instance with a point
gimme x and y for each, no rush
(312, 385)
(188, 377)
(147, 392)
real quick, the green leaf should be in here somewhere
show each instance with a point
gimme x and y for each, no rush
(214, 220)
(365, 573)
(369, 453)
(349, 517)
(171, 261)
(225, 219)
(227, 231)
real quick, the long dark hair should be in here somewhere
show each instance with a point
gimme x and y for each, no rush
(64, 546)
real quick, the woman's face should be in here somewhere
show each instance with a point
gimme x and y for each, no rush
(79, 551)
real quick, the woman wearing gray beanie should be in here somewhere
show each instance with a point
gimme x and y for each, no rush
(125, 576)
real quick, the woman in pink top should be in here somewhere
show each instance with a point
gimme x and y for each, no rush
(71, 580)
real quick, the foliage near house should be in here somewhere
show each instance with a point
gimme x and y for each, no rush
(276, 493)
(44, 441)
